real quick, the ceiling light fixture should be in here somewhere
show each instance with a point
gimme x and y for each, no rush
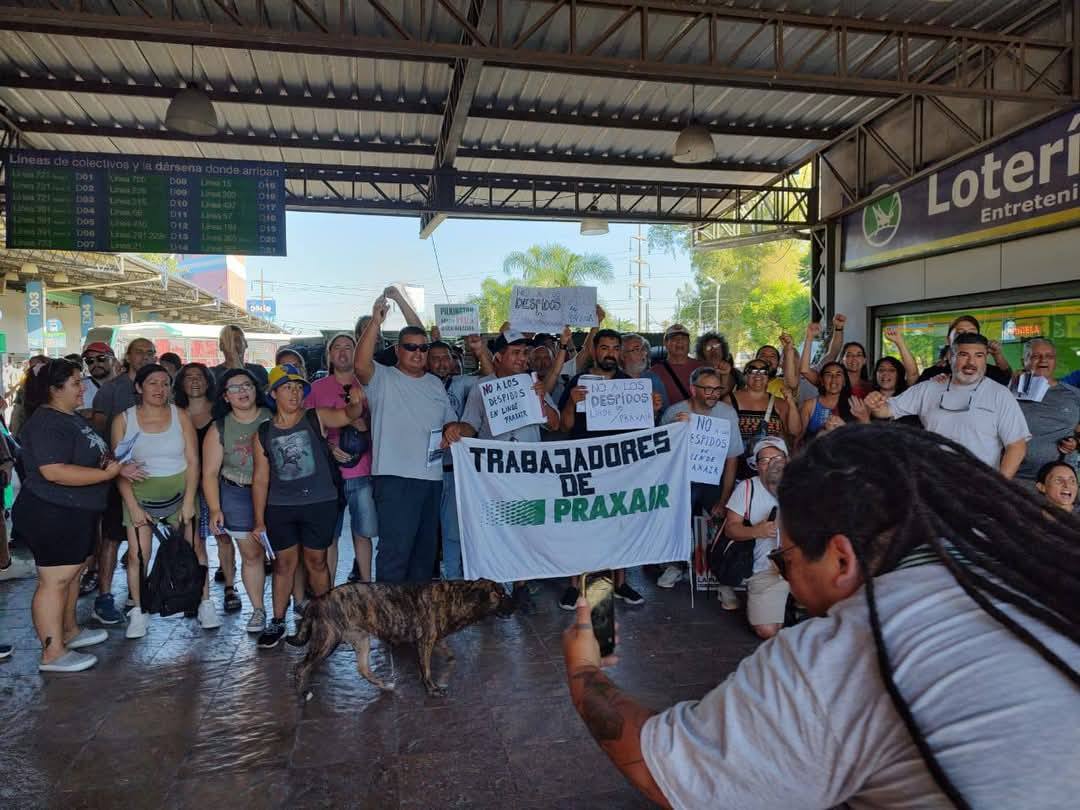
(694, 144)
(112, 295)
(11, 275)
(29, 269)
(593, 225)
(191, 111)
(60, 278)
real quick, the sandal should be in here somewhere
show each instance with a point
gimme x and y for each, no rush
(232, 600)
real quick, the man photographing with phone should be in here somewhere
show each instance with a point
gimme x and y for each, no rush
(942, 668)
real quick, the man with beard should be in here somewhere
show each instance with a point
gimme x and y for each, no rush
(706, 387)
(100, 364)
(634, 361)
(754, 502)
(607, 345)
(968, 408)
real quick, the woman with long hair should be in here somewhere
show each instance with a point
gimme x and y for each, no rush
(227, 473)
(68, 469)
(1056, 481)
(762, 414)
(18, 405)
(712, 350)
(159, 436)
(834, 405)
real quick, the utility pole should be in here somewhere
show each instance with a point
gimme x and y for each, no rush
(638, 284)
(262, 286)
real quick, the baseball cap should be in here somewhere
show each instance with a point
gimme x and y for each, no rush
(279, 375)
(510, 337)
(768, 441)
(676, 329)
(97, 348)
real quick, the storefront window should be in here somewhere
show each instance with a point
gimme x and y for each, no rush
(1010, 325)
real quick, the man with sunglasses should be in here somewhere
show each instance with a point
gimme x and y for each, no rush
(100, 363)
(408, 410)
(969, 408)
(752, 517)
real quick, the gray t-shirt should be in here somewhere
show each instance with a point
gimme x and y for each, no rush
(404, 412)
(257, 371)
(115, 396)
(805, 721)
(721, 410)
(475, 416)
(53, 437)
(1050, 421)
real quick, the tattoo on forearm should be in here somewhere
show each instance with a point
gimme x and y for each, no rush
(599, 705)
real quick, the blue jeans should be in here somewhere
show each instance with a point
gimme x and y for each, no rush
(408, 510)
(361, 506)
(451, 532)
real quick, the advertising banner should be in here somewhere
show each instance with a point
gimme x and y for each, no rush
(549, 509)
(1027, 183)
(265, 308)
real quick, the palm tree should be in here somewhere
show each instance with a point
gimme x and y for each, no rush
(557, 266)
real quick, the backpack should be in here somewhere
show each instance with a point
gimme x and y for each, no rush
(732, 561)
(175, 583)
(312, 417)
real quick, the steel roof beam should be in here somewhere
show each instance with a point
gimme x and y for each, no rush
(577, 118)
(358, 146)
(552, 42)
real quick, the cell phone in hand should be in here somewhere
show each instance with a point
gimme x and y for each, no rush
(599, 591)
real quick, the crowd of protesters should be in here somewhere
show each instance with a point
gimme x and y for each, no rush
(271, 463)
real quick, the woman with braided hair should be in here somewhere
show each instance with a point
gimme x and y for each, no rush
(942, 668)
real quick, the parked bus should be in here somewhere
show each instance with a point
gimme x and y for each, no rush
(195, 343)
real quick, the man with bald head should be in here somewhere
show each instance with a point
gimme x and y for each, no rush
(233, 345)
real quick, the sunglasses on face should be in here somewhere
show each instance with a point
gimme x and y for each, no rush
(757, 372)
(104, 359)
(415, 347)
(777, 558)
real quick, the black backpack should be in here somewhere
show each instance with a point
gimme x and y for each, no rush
(175, 583)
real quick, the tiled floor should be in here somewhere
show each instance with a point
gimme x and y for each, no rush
(192, 718)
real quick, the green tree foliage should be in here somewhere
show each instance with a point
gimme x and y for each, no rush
(761, 288)
(549, 265)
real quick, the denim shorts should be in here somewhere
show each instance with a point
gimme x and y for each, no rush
(236, 506)
(361, 502)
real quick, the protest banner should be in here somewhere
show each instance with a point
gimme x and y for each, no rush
(533, 510)
(549, 309)
(708, 446)
(619, 404)
(457, 320)
(510, 402)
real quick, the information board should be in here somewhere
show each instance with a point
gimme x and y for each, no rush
(144, 204)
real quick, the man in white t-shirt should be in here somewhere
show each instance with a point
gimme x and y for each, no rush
(903, 691)
(752, 517)
(969, 408)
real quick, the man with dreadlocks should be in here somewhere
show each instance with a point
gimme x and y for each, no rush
(943, 665)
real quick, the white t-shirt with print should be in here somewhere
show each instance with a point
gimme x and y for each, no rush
(992, 420)
(762, 502)
(805, 722)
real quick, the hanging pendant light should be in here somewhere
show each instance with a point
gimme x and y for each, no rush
(694, 144)
(593, 225)
(191, 111)
(60, 278)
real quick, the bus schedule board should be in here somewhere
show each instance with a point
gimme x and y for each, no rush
(144, 204)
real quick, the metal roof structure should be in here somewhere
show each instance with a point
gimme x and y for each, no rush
(519, 108)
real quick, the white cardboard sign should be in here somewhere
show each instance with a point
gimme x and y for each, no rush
(510, 403)
(708, 447)
(457, 320)
(549, 309)
(619, 405)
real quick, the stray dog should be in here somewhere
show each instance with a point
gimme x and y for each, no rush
(423, 614)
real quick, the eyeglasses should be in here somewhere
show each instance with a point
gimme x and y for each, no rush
(966, 406)
(757, 372)
(764, 461)
(777, 559)
(709, 390)
(240, 388)
(415, 347)
(104, 359)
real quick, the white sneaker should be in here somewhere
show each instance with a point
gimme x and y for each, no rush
(672, 575)
(208, 616)
(87, 637)
(257, 622)
(137, 623)
(19, 569)
(71, 661)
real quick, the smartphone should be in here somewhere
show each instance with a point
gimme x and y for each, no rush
(599, 590)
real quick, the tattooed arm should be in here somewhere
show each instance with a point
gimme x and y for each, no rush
(612, 717)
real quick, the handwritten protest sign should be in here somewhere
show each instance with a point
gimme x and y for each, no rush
(457, 320)
(619, 404)
(708, 447)
(510, 403)
(549, 309)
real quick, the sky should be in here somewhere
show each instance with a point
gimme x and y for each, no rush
(339, 263)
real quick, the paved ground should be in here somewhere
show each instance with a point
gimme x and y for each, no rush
(193, 718)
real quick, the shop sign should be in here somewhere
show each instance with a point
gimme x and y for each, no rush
(1027, 183)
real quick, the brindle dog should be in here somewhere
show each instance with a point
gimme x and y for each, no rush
(422, 614)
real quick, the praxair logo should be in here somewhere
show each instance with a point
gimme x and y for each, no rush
(577, 510)
(880, 220)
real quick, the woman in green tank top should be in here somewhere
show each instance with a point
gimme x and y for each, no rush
(226, 480)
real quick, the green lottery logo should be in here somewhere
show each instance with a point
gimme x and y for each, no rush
(881, 220)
